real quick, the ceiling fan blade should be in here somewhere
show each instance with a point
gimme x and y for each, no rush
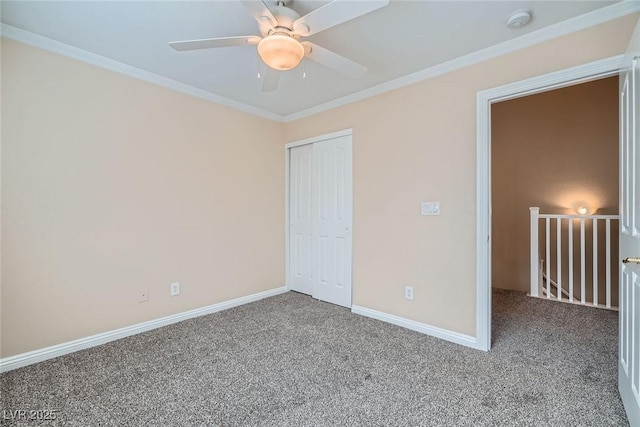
(259, 10)
(334, 61)
(270, 79)
(216, 42)
(334, 13)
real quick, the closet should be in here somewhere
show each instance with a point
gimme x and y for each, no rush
(320, 218)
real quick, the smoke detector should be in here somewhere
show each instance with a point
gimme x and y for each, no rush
(519, 18)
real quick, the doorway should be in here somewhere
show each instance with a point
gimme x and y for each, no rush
(557, 151)
(579, 74)
(319, 217)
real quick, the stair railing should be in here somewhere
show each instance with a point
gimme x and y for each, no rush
(540, 264)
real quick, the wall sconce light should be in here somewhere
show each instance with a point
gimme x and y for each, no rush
(582, 210)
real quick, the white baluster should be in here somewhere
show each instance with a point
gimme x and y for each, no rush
(570, 260)
(608, 267)
(535, 256)
(582, 269)
(548, 254)
(595, 261)
(559, 258)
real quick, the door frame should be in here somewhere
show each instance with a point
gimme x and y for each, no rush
(571, 76)
(287, 156)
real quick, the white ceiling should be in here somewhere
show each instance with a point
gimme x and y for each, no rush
(402, 38)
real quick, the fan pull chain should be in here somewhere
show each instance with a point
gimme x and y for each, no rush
(304, 69)
(258, 67)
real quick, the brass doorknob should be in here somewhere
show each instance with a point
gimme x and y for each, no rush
(628, 260)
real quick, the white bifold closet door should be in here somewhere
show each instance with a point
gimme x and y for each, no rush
(320, 218)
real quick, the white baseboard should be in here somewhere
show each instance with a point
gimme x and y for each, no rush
(24, 359)
(433, 331)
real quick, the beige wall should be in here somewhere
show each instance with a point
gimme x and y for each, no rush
(111, 185)
(418, 143)
(557, 150)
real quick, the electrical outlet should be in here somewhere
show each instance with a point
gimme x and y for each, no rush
(408, 292)
(143, 296)
(175, 289)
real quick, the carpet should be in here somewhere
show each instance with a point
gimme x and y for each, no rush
(290, 360)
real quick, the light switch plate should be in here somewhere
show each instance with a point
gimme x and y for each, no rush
(430, 208)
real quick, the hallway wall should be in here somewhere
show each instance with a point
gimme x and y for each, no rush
(557, 150)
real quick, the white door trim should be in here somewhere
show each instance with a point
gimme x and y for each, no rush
(287, 147)
(332, 135)
(568, 77)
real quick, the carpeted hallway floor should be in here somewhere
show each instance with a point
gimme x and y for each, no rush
(293, 361)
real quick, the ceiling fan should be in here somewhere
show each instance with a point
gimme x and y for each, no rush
(281, 27)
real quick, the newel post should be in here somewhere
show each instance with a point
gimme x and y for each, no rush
(534, 265)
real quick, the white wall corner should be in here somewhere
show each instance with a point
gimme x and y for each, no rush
(40, 355)
(434, 331)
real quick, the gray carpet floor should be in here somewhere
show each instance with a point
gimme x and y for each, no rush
(290, 360)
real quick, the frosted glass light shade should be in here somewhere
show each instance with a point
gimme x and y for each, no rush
(280, 52)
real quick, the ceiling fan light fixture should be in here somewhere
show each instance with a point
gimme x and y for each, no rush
(280, 51)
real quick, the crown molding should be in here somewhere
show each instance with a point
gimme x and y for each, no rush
(577, 23)
(63, 49)
(598, 16)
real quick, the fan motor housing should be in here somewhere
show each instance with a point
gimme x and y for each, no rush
(285, 17)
